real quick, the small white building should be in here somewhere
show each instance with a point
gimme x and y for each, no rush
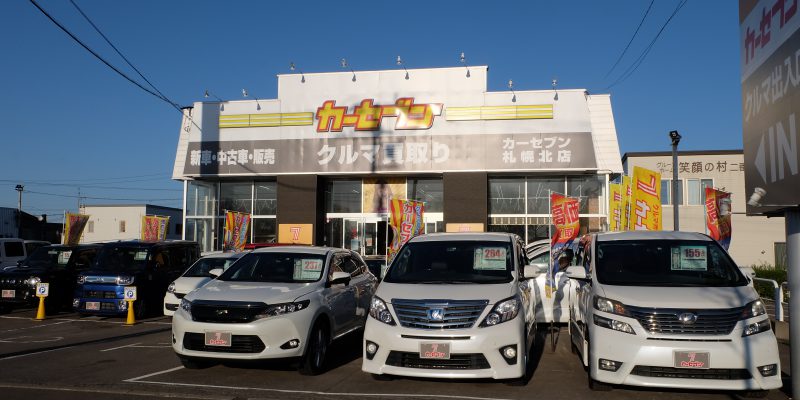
(755, 240)
(124, 221)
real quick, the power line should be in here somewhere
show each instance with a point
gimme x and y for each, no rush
(630, 41)
(635, 66)
(97, 198)
(97, 180)
(88, 186)
(121, 55)
(75, 38)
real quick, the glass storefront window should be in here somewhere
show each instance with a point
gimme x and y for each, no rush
(235, 196)
(429, 191)
(265, 230)
(200, 230)
(589, 189)
(539, 193)
(201, 198)
(539, 232)
(515, 229)
(266, 198)
(506, 195)
(343, 196)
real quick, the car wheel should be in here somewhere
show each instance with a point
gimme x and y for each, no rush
(593, 384)
(194, 363)
(313, 361)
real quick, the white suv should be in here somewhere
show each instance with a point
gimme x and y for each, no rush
(276, 302)
(200, 273)
(453, 305)
(669, 309)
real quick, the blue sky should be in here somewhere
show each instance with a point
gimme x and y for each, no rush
(71, 124)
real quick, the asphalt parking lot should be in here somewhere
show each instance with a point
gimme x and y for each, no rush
(69, 356)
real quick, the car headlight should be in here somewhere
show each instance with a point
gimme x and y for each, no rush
(125, 280)
(613, 324)
(379, 311)
(186, 305)
(171, 287)
(81, 279)
(504, 310)
(753, 309)
(610, 306)
(757, 327)
(32, 281)
(283, 308)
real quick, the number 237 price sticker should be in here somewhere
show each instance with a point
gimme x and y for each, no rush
(130, 292)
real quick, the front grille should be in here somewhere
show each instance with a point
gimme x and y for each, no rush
(665, 320)
(226, 312)
(239, 344)
(100, 294)
(455, 314)
(108, 306)
(683, 373)
(456, 361)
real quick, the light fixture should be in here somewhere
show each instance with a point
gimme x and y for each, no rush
(345, 65)
(464, 61)
(555, 84)
(400, 63)
(245, 94)
(302, 75)
(511, 87)
(221, 105)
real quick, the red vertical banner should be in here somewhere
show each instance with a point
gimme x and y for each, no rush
(406, 221)
(73, 228)
(236, 228)
(718, 216)
(564, 212)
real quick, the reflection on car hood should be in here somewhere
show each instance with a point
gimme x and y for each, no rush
(492, 292)
(23, 270)
(187, 284)
(680, 297)
(269, 293)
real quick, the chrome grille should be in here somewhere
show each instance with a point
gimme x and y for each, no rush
(665, 320)
(455, 314)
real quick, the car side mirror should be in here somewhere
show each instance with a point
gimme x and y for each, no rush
(577, 272)
(339, 277)
(215, 272)
(530, 271)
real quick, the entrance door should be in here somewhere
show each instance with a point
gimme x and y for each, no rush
(353, 233)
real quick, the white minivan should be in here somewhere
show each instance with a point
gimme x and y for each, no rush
(672, 310)
(453, 305)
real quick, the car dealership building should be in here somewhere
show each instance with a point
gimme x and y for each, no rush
(319, 163)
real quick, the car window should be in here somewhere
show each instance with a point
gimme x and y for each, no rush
(443, 262)
(14, 249)
(276, 267)
(122, 258)
(337, 265)
(82, 259)
(543, 258)
(352, 267)
(201, 267)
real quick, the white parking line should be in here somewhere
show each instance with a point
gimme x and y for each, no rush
(18, 341)
(65, 320)
(120, 347)
(138, 346)
(34, 327)
(140, 379)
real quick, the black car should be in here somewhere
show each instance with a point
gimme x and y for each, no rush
(58, 265)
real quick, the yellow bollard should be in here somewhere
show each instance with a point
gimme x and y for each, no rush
(131, 319)
(40, 311)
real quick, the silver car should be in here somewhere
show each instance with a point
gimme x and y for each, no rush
(276, 302)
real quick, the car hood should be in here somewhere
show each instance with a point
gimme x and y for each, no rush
(493, 293)
(680, 297)
(16, 272)
(269, 293)
(187, 284)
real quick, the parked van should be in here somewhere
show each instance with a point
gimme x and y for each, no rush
(149, 266)
(672, 310)
(12, 251)
(453, 305)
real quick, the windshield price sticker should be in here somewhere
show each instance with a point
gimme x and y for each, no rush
(490, 258)
(307, 269)
(689, 258)
(42, 289)
(63, 257)
(130, 292)
(140, 256)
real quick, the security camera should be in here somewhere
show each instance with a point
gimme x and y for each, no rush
(675, 136)
(755, 198)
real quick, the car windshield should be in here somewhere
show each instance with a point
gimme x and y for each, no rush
(200, 268)
(44, 257)
(666, 263)
(452, 262)
(122, 258)
(276, 267)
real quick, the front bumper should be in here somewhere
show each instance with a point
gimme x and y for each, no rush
(109, 298)
(476, 349)
(260, 339)
(171, 303)
(647, 359)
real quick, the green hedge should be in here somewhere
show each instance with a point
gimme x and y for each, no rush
(766, 271)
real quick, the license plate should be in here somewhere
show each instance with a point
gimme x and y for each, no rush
(692, 359)
(9, 294)
(92, 305)
(434, 350)
(221, 339)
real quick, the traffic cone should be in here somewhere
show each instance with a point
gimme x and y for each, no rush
(40, 311)
(131, 319)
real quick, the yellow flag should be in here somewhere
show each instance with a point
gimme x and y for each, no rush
(646, 201)
(615, 207)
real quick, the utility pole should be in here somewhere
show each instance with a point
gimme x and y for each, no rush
(19, 190)
(675, 137)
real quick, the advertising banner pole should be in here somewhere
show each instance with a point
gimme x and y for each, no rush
(792, 219)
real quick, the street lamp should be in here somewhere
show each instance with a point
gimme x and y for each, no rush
(19, 189)
(675, 137)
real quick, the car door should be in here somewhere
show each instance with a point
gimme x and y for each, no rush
(364, 285)
(341, 298)
(581, 297)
